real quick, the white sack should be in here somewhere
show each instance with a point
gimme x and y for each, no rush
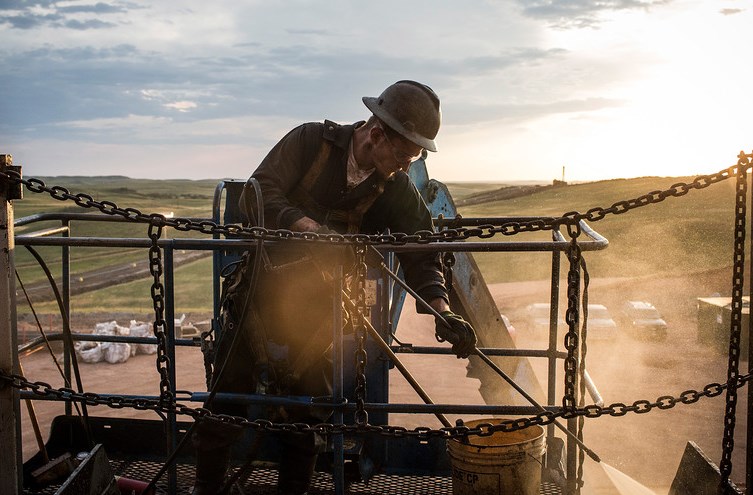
(116, 352)
(141, 329)
(89, 352)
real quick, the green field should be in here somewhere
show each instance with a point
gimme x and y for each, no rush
(182, 198)
(688, 234)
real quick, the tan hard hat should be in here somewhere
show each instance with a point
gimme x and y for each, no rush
(411, 109)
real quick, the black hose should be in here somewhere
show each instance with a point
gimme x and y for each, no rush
(66, 381)
(68, 339)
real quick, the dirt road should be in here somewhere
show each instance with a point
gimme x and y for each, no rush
(647, 447)
(106, 277)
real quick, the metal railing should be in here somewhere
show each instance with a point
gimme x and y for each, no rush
(50, 237)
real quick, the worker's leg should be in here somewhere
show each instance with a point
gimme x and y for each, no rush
(212, 439)
(212, 442)
(300, 450)
(299, 454)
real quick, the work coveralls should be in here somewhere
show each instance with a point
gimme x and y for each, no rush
(305, 175)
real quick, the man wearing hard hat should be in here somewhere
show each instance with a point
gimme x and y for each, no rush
(277, 320)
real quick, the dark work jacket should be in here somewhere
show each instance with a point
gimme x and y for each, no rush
(399, 208)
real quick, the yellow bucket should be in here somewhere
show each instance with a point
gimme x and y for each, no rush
(499, 464)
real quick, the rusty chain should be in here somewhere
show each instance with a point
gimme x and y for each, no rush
(571, 219)
(421, 237)
(571, 318)
(158, 301)
(543, 418)
(738, 279)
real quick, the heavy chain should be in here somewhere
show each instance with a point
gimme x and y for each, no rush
(158, 300)
(618, 409)
(571, 219)
(361, 416)
(571, 318)
(422, 237)
(738, 279)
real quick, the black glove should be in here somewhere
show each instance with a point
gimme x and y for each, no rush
(460, 334)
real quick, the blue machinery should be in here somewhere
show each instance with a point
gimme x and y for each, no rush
(388, 456)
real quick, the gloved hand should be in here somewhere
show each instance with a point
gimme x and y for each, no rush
(460, 334)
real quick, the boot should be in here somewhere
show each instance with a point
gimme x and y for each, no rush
(295, 472)
(297, 461)
(212, 442)
(211, 466)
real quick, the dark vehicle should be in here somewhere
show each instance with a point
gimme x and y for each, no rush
(643, 321)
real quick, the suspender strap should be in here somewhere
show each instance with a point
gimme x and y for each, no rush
(353, 217)
(301, 195)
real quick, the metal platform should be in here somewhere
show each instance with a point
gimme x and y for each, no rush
(263, 482)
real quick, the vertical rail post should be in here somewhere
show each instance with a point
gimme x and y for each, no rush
(749, 430)
(66, 262)
(172, 426)
(337, 380)
(10, 424)
(552, 349)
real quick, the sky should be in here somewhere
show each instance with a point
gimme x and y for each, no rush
(530, 89)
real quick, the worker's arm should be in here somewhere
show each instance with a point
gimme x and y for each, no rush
(440, 305)
(279, 173)
(459, 333)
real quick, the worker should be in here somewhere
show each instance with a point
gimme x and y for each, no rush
(322, 178)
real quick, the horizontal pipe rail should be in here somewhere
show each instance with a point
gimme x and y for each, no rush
(402, 408)
(196, 342)
(243, 244)
(87, 337)
(489, 351)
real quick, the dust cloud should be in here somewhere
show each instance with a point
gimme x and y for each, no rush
(627, 367)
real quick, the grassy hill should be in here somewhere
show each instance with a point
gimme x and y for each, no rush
(688, 234)
(184, 198)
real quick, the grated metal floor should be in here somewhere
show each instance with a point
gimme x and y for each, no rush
(263, 482)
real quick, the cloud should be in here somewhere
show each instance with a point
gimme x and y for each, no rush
(578, 14)
(29, 15)
(130, 121)
(181, 106)
(24, 4)
(29, 21)
(87, 24)
(316, 32)
(74, 84)
(97, 8)
(474, 115)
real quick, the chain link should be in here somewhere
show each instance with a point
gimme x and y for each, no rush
(543, 418)
(396, 239)
(571, 318)
(738, 279)
(167, 403)
(158, 300)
